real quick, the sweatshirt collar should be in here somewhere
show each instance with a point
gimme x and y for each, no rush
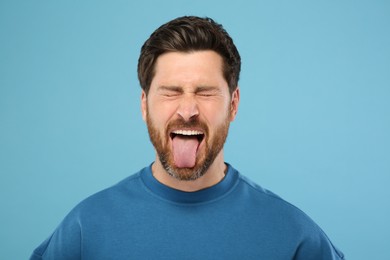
(208, 194)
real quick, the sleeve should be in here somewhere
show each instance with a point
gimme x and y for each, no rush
(318, 247)
(64, 243)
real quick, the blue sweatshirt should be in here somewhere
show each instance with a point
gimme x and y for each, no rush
(140, 218)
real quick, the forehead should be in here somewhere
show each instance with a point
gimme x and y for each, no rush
(200, 67)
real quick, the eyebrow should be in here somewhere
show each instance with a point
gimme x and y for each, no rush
(170, 88)
(180, 89)
(206, 88)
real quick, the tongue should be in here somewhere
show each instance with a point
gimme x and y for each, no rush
(184, 151)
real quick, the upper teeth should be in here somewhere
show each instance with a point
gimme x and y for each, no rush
(187, 132)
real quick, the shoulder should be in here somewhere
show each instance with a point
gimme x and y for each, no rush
(292, 222)
(109, 197)
(261, 193)
(273, 204)
(85, 217)
(273, 209)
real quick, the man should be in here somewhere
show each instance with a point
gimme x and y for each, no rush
(189, 204)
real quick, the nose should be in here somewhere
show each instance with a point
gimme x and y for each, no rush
(188, 108)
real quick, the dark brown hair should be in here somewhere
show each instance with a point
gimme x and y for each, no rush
(187, 34)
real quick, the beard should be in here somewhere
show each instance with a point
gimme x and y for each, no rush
(212, 146)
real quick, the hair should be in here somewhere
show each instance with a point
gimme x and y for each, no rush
(189, 34)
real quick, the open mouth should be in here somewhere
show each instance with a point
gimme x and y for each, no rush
(185, 145)
(187, 134)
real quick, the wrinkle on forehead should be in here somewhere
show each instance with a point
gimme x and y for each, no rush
(195, 69)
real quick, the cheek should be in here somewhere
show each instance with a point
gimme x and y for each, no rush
(216, 114)
(160, 114)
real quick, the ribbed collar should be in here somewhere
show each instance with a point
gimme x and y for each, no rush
(201, 196)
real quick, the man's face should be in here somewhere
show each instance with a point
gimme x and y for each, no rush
(188, 111)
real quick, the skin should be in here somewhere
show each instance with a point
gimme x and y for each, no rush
(187, 86)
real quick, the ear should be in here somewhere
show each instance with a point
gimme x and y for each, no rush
(234, 103)
(144, 105)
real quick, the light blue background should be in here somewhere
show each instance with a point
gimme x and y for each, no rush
(313, 124)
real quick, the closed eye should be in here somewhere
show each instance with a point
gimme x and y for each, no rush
(170, 94)
(170, 91)
(207, 91)
(205, 94)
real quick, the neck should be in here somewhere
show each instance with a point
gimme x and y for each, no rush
(214, 174)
